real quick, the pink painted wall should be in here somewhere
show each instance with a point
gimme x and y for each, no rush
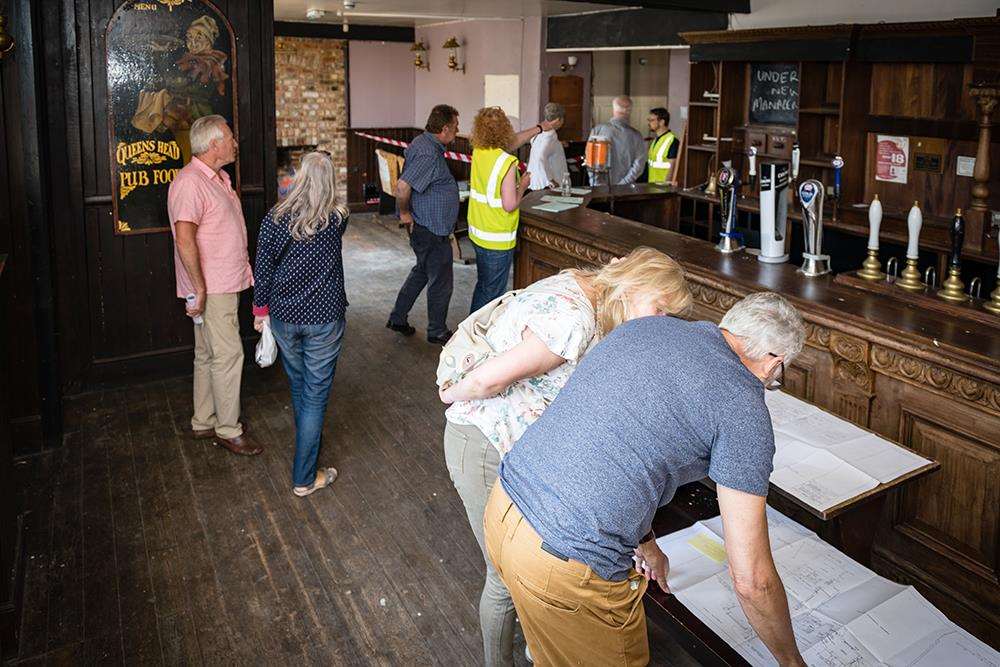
(491, 47)
(678, 84)
(381, 84)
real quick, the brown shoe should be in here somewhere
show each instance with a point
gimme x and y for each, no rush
(241, 444)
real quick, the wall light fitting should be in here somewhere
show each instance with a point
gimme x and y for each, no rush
(453, 46)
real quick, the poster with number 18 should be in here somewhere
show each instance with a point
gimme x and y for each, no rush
(892, 157)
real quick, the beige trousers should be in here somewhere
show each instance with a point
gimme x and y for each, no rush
(570, 615)
(218, 367)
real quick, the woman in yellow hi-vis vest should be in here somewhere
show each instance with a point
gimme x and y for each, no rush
(495, 193)
(662, 149)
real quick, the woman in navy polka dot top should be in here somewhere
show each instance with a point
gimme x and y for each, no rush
(299, 292)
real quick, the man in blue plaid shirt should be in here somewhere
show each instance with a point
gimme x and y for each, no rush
(427, 197)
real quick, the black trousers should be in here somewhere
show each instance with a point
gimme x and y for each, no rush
(433, 270)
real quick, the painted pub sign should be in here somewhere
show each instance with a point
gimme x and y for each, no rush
(170, 62)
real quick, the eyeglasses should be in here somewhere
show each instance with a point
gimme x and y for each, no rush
(326, 153)
(779, 380)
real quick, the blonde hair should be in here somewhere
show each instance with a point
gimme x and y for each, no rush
(491, 129)
(312, 199)
(644, 270)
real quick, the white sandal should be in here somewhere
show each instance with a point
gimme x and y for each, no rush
(329, 474)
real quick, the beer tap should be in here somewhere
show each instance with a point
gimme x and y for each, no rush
(871, 269)
(814, 263)
(909, 279)
(838, 165)
(730, 241)
(953, 287)
(796, 157)
(993, 305)
(752, 168)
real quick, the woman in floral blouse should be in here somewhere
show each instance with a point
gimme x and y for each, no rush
(542, 335)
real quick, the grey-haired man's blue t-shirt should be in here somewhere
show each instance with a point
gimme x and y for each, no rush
(658, 403)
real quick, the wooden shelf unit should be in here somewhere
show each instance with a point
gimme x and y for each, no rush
(857, 82)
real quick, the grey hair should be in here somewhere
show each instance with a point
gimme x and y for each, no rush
(622, 104)
(312, 200)
(554, 111)
(204, 131)
(767, 324)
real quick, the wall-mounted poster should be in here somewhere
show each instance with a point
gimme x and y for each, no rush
(170, 62)
(892, 158)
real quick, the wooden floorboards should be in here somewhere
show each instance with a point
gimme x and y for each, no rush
(147, 547)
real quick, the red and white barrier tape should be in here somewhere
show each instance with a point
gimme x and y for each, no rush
(451, 155)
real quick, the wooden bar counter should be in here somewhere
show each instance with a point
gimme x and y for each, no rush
(929, 382)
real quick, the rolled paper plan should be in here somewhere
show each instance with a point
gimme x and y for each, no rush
(874, 222)
(914, 221)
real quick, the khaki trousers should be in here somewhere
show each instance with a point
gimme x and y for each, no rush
(218, 367)
(570, 615)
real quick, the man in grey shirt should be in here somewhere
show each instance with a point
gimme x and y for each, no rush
(658, 403)
(628, 149)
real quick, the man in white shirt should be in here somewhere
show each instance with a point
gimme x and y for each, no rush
(547, 161)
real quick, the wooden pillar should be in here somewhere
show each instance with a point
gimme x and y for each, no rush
(978, 223)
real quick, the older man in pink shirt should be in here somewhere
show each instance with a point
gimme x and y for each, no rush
(211, 261)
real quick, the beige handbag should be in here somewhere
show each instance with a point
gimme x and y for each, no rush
(468, 348)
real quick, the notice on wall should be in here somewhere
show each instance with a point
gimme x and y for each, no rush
(504, 91)
(169, 63)
(892, 157)
(774, 93)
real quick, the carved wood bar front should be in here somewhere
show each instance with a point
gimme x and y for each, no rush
(929, 382)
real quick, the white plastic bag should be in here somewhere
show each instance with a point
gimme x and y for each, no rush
(267, 349)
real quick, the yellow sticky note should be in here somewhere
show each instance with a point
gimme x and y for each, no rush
(706, 545)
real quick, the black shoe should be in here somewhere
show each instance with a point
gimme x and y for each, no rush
(440, 340)
(404, 329)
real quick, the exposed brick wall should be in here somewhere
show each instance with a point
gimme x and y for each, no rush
(311, 98)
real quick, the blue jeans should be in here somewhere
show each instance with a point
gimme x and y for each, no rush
(309, 354)
(492, 271)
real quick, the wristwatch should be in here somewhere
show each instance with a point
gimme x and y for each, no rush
(540, 128)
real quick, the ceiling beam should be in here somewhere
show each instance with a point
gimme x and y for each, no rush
(726, 6)
(360, 31)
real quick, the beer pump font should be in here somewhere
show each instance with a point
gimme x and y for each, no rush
(730, 241)
(814, 262)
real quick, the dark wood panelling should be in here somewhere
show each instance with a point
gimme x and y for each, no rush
(920, 90)
(625, 28)
(116, 300)
(362, 165)
(908, 375)
(358, 31)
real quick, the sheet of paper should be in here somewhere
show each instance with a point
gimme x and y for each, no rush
(780, 529)
(822, 480)
(688, 564)
(814, 572)
(897, 624)
(576, 201)
(785, 408)
(715, 603)
(841, 649)
(861, 599)
(554, 207)
(822, 429)
(954, 648)
(877, 457)
(810, 628)
(504, 91)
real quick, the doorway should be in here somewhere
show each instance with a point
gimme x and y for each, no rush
(567, 90)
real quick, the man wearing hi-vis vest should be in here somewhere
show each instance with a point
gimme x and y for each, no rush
(495, 193)
(663, 148)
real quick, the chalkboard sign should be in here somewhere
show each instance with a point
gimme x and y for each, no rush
(774, 93)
